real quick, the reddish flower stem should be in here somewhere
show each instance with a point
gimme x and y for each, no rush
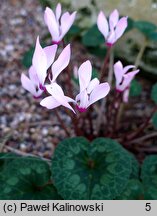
(114, 112)
(89, 116)
(75, 122)
(105, 64)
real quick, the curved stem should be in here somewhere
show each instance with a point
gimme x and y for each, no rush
(141, 52)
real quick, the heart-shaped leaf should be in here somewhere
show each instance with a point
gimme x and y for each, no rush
(149, 177)
(134, 188)
(5, 160)
(97, 171)
(28, 178)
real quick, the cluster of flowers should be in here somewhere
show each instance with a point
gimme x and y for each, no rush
(46, 68)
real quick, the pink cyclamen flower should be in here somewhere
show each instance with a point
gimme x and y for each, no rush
(57, 98)
(123, 76)
(32, 83)
(42, 59)
(90, 90)
(113, 29)
(58, 24)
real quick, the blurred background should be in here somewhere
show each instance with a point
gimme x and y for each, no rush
(24, 125)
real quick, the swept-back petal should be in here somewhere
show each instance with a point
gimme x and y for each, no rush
(103, 24)
(121, 26)
(61, 63)
(52, 24)
(56, 91)
(49, 102)
(29, 86)
(39, 62)
(50, 52)
(33, 75)
(58, 11)
(119, 72)
(99, 92)
(127, 79)
(93, 83)
(66, 23)
(127, 68)
(113, 18)
(85, 74)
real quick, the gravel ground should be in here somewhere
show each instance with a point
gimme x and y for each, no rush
(33, 129)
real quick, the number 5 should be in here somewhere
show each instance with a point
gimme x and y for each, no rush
(148, 207)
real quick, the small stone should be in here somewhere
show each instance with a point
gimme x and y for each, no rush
(45, 131)
(23, 147)
(9, 47)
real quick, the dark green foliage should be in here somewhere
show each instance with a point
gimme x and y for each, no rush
(100, 52)
(74, 32)
(26, 178)
(93, 38)
(135, 168)
(133, 191)
(27, 58)
(154, 93)
(152, 36)
(147, 28)
(97, 170)
(130, 24)
(149, 177)
(135, 88)
(134, 188)
(154, 120)
(47, 3)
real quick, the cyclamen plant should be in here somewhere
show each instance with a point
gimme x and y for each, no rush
(90, 163)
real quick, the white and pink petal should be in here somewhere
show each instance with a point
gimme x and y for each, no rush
(113, 18)
(102, 24)
(50, 52)
(52, 24)
(61, 63)
(50, 102)
(84, 74)
(39, 62)
(66, 22)
(99, 92)
(121, 26)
